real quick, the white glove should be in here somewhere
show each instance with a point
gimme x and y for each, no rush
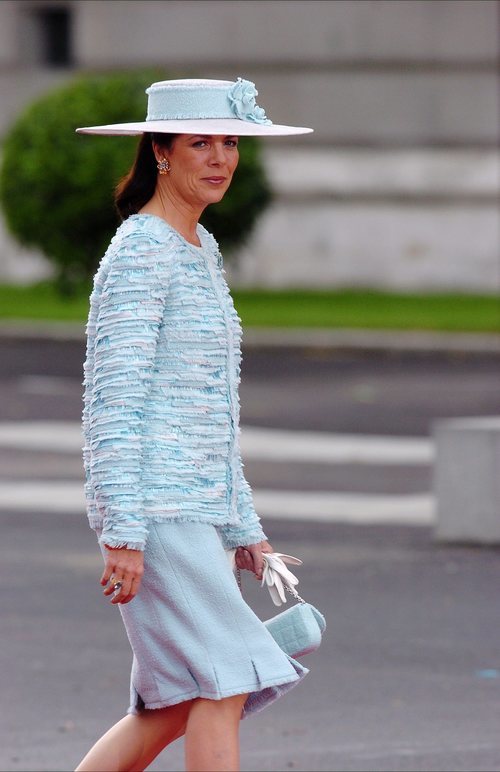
(277, 576)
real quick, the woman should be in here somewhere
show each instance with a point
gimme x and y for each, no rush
(165, 487)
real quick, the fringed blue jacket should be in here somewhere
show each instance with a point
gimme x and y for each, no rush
(161, 407)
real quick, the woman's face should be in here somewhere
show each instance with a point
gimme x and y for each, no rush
(201, 167)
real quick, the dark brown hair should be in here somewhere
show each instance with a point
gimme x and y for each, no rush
(138, 186)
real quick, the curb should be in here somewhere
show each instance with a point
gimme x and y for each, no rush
(319, 338)
(375, 340)
(29, 330)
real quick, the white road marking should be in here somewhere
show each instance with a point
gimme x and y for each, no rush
(66, 496)
(320, 506)
(58, 436)
(256, 443)
(43, 496)
(329, 448)
(324, 506)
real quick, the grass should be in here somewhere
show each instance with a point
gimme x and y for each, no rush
(370, 309)
(41, 302)
(296, 308)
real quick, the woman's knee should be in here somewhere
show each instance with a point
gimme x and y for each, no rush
(235, 703)
(168, 724)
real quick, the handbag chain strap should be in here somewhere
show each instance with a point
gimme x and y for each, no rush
(293, 592)
(290, 590)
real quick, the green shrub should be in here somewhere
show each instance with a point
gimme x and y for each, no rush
(56, 187)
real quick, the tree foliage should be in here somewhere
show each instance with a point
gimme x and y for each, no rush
(56, 187)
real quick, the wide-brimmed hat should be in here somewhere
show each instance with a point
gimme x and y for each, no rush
(201, 106)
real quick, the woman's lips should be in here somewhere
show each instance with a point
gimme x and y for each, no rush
(215, 180)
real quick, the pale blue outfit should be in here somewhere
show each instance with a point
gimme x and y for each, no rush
(163, 467)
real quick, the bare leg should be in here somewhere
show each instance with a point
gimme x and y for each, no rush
(135, 741)
(212, 735)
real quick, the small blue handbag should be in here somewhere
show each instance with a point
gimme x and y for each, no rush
(298, 630)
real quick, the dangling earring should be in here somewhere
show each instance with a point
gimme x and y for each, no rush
(163, 166)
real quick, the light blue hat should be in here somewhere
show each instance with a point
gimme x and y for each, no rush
(200, 106)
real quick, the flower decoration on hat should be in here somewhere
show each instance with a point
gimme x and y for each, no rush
(242, 100)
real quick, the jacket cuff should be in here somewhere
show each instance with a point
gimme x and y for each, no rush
(241, 537)
(122, 541)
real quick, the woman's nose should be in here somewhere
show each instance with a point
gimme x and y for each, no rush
(217, 154)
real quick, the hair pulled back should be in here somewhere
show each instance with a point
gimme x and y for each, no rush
(138, 186)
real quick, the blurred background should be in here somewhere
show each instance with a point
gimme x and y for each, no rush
(368, 284)
(403, 97)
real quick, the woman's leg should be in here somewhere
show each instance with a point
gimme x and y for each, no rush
(135, 741)
(212, 735)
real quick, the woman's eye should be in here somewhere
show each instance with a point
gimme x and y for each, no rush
(201, 143)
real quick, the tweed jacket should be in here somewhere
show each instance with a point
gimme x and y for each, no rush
(161, 375)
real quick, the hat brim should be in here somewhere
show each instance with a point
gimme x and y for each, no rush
(216, 126)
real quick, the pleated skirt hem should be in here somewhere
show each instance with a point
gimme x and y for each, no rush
(257, 700)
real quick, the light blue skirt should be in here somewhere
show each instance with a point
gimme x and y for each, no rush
(191, 632)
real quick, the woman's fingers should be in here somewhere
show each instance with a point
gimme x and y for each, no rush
(118, 587)
(113, 582)
(106, 574)
(244, 559)
(258, 565)
(124, 568)
(257, 560)
(125, 593)
(134, 588)
(250, 557)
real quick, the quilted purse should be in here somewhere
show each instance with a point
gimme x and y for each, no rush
(298, 630)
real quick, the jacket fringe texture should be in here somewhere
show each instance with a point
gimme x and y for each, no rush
(161, 407)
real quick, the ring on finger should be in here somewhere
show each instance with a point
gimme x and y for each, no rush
(117, 586)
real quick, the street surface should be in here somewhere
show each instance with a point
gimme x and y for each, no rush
(338, 449)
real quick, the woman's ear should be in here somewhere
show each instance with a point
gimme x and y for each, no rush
(158, 151)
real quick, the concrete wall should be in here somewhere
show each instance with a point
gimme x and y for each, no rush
(399, 184)
(423, 219)
(321, 32)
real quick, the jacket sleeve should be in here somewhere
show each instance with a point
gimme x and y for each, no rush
(131, 309)
(249, 529)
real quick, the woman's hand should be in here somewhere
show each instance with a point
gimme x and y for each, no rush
(124, 566)
(250, 557)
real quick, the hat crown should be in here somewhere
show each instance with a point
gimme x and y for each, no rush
(202, 98)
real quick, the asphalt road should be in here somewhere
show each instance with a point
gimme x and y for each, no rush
(408, 676)
(318, 389)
